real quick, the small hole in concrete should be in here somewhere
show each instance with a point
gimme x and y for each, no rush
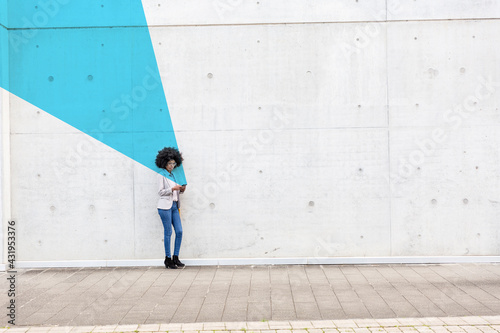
(311, 203)
(210, 75)
(212, 205)
(466, 201)
(434, 201)
(104, 174)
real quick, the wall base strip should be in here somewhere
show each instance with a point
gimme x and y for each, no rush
(263, 261)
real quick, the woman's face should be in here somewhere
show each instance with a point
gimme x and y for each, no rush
(171, 165)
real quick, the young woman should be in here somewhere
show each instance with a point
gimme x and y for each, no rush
(169, 203)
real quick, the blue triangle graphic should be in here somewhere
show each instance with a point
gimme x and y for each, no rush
(92, 65)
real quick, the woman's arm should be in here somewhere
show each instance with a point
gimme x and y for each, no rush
(162, 190)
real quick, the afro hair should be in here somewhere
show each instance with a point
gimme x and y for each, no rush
(168, 154)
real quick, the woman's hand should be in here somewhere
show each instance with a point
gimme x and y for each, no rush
(176, 188)
(183, 188)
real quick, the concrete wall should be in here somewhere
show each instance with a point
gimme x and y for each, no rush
(4, 134)
(309, 129)
(3, 203)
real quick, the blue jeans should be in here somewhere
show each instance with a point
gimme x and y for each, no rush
(171, 217)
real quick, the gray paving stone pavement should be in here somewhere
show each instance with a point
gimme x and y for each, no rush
(444, 298)
(472, 324)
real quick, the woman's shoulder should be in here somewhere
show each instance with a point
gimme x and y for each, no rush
(162, 178)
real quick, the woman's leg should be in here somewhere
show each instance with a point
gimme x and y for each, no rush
(176, 221)
(166, 219)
